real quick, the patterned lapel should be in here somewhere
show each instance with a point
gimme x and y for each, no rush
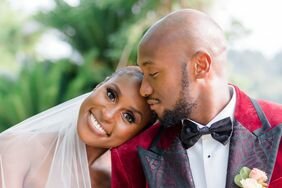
(256, 149)
(167, 168)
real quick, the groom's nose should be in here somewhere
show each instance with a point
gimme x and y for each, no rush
(146, 89)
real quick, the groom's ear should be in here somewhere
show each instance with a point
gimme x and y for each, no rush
(201, 61)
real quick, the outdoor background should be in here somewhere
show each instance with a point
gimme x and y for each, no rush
(54, 50)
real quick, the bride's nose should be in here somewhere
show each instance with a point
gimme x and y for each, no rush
(109, 113)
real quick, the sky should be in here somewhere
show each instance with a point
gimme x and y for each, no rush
(260, 17)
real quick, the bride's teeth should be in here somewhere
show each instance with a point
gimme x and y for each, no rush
(96, 124)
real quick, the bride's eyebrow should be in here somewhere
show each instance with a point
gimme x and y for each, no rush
(116, 88)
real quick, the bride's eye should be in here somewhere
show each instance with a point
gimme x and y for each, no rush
(111, 94)
(129, 117)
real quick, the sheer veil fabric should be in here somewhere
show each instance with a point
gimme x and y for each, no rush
(45, 151)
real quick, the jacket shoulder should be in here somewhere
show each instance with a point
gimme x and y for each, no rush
(126, 166)
(273, 111)
(246, 114)
(144, 139)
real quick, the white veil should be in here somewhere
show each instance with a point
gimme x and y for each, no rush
(45, 151)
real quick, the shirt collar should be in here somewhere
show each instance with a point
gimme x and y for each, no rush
(228, 110)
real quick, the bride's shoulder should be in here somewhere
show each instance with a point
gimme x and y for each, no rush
(26, 142)
(23, 155)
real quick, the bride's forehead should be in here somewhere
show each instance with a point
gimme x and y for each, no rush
(125, 81)
(125, 78)
(130, 71)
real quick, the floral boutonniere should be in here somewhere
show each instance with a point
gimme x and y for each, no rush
(248, 178)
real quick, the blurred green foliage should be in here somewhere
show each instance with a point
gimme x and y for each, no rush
(16, 38)
(32, 92)
(92, 24)
(104, 33)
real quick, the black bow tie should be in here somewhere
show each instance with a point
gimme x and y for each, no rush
(191, 133)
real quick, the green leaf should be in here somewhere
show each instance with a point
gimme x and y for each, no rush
(237, 180)
(244, 172)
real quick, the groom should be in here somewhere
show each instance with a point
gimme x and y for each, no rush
(208, 129)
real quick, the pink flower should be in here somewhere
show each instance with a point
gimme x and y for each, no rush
(250, 183)
(248, 178)
(258, 175)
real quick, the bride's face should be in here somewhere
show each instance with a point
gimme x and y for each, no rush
(113, 113)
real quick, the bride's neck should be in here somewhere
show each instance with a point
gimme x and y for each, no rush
(94, 153)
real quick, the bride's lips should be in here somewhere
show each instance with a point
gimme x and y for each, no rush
(95, 126)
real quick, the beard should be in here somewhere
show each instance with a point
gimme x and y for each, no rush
(182, 108)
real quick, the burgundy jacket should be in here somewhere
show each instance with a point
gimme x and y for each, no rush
(137, 164)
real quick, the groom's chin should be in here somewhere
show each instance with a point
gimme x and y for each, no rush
(172, 118)
(169, 120)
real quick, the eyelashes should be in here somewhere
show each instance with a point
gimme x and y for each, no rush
(129, 117)
(155, 74)
(112, 96)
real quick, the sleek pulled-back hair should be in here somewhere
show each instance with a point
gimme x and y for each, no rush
(129, 70)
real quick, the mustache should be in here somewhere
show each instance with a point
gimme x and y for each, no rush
(152, 100)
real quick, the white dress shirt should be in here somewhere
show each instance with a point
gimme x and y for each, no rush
(208, 157)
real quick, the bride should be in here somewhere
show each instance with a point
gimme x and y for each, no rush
(58, 147)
